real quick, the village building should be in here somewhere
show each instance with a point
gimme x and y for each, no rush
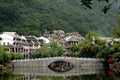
(67, 40)
(43, 39)
(54, 35)
(20, 44)
(32, 44)
(13, 42)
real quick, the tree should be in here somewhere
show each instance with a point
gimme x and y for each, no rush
(9, 13)
(100, 42)
(91, 36)
(16, 56)
(56, 49)
(30, 17)
(4, 56)
(75, 50)
(2, 52)
(116, 55)
(116, 30)
(88, 47)
(104, 52)
(89, 50)
(89, 3)
(51, 49)
(111, 50)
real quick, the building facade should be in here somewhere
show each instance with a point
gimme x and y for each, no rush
(32, 44)
(20, 44)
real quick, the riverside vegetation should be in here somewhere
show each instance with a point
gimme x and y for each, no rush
(6, 57)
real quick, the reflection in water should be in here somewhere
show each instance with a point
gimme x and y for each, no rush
(98, 76)
(48, 72)
(77, 73)
(42, 72)
(60, 66)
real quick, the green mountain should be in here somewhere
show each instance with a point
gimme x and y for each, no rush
(32, 17)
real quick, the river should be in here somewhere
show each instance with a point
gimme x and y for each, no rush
(89, 73)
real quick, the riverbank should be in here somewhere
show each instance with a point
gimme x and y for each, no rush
(6, 68)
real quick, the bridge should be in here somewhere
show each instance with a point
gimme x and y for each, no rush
(40, 66)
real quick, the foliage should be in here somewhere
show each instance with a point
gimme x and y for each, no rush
(92, 35)
(116, 55)
(118, 20)
(1, 54)
(100, 42)
(115, 47)
(104, 52)
(82, 43)
(89, 3)
(51, 49)
(89, 50)
(32, 17)
(75, 50)
(116, 30)
(88, 47)
(16, 56)
(111, 50)
(94, 47)
(6, 56)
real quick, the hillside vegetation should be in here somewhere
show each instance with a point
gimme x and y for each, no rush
(32, 17)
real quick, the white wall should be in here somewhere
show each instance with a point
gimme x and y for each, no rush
(6, 38)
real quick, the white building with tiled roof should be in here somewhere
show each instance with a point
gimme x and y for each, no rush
(19, 44)
(45, 40)
(7, 38)
(12, 41)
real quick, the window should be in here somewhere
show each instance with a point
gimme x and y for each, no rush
(0, 38)
(13, 38)
(8, 43)
(17, 44)
(14, 43)
(4, 43)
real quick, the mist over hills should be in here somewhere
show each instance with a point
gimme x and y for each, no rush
(32, 17)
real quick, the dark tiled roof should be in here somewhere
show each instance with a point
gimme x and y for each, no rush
(32, 40)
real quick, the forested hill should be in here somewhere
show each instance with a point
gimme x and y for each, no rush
(32, 17)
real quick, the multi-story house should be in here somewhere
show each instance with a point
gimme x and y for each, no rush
(54, 35)
(12, 41)
(33, 44)
(69, 41)
(43, 39)
(65, 39)
(20, 44)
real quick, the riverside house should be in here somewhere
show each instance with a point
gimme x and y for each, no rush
(26, 45)
(15, 43)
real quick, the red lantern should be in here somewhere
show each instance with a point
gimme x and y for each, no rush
(110, 60)
(111, 73)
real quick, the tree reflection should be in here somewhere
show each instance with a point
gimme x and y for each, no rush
(60, 66)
